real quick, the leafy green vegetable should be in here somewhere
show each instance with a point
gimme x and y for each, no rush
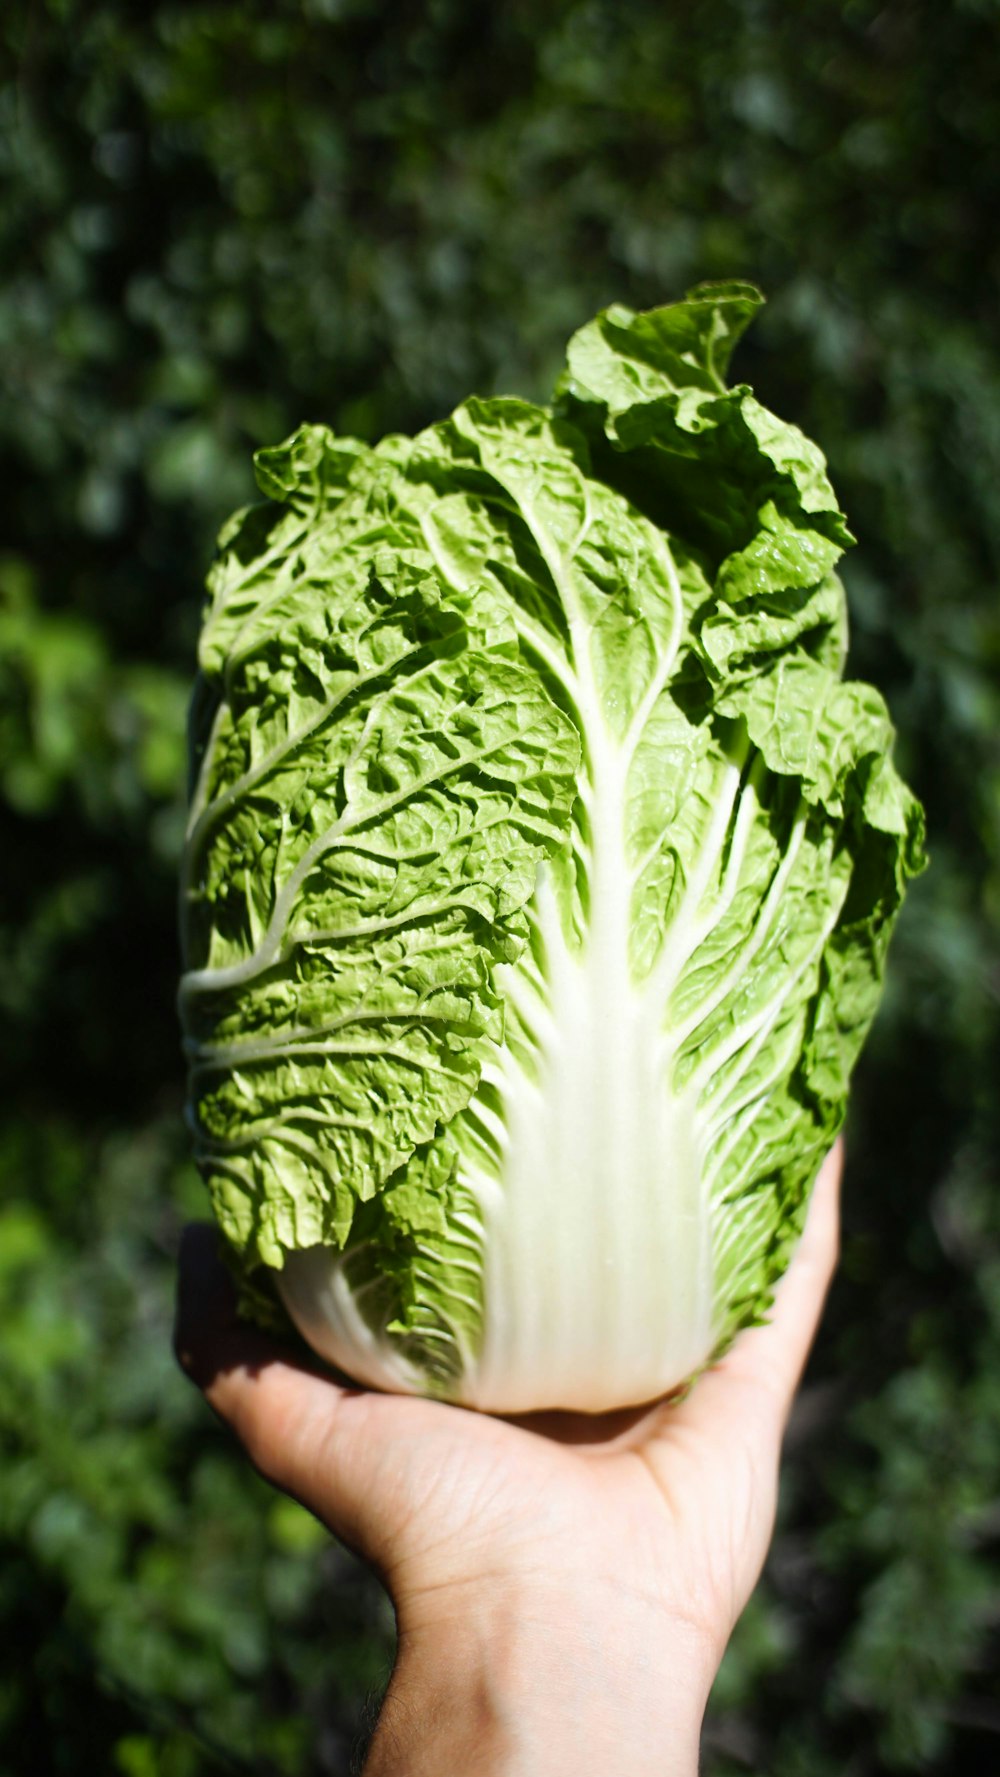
(539, 876)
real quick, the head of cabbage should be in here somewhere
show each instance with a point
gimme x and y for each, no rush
(539, 874)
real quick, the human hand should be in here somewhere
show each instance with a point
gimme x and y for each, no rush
(564, 1586)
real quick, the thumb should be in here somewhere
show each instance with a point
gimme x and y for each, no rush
(748, 1394)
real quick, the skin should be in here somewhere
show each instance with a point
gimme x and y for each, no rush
(564, 1586)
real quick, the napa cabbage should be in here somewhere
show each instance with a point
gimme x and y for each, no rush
(539, 875)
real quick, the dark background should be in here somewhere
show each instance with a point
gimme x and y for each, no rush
(218, 220)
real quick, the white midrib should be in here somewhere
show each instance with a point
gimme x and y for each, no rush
(597, 1275)
(597, 1280)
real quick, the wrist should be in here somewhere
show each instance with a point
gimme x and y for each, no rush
(507, 1682)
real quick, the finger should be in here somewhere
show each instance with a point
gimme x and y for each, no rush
(208, 1333)
(754, 1384)
(301, 1429)
(776, 1353)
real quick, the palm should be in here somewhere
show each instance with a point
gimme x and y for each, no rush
(652, 1502)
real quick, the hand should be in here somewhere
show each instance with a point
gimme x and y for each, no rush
(564, 1586)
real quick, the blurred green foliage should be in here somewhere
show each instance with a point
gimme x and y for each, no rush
(217, 221)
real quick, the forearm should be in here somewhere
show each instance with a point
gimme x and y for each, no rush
(517, 1690)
